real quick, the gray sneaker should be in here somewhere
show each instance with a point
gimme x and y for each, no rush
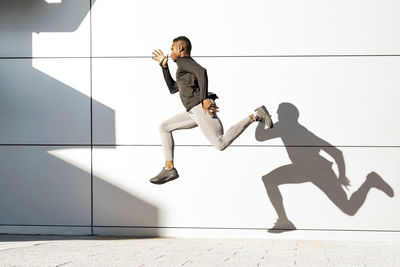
(165, 176)
(263, 116)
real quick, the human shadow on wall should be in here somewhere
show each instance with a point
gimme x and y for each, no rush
(303, 148)
(40, 115)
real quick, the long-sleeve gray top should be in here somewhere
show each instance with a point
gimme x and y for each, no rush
(191, 81)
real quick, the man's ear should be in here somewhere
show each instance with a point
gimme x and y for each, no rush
(181, 48)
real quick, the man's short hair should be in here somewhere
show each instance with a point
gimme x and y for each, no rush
(188, 44)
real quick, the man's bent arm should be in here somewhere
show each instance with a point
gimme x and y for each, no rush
(263, 134)
(334, 152)
(172, 85)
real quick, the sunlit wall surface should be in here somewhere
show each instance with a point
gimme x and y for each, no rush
(81, 102)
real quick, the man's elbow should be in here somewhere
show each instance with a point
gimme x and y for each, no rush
(333, 151)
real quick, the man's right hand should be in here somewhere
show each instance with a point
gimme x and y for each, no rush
(159, 57)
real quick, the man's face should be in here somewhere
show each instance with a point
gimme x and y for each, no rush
(174, 51)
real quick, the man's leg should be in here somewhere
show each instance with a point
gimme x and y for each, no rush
(179, 121)
(332, 187)
(287, 174)
(213, 130)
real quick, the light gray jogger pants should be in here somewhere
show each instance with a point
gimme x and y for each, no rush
(211, 127)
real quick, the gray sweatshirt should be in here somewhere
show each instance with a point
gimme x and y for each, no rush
(191, 81)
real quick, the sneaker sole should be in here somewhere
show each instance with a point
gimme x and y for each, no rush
(164, 180)
(267, 117)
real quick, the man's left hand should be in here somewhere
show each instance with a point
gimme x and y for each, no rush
(210, 107)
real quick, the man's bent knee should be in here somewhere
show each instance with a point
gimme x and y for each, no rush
(220, 146)
(163, 128)
(269, 179)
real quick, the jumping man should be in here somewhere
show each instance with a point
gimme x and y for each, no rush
(192, 85)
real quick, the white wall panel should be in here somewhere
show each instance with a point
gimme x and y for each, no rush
(229, 191)
(39, 186)
(45, 101)
(113, 201)
(124, 27)
(36, 28)
(350, 101)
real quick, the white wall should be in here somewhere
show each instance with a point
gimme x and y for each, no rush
(82, 100)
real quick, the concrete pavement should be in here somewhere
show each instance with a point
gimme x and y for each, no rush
(39, 250)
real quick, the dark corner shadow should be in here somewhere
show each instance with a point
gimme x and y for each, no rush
(303, 148)
(44, 98)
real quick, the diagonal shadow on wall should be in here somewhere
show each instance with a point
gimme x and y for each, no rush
(39, 114)
(303, 148)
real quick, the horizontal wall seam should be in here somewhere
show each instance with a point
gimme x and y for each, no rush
(227, 56)
(156, 145)
(203, 228)
(244, 228)
(150, 145)
(52, 225)
(73, 145)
